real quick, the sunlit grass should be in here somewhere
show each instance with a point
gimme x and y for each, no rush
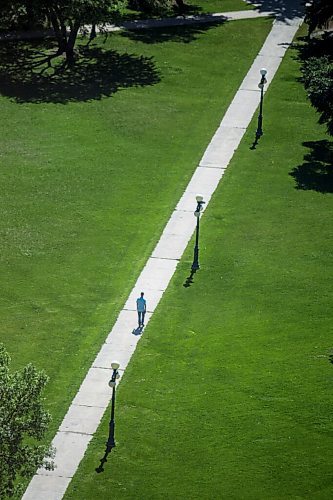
(91, 168)
(229, 392)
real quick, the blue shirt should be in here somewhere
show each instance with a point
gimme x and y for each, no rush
(141, 304)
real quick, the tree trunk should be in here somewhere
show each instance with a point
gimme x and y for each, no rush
(181, 6)
(30, 16)
(60, 32)
(92, 32)
(70, 44)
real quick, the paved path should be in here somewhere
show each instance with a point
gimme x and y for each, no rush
(90, 403)
(219, 17)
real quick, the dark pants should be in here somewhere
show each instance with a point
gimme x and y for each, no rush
(141, 317)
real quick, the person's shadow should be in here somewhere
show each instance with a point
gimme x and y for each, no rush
(137, 330)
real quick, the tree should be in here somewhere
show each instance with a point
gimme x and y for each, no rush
(318, 82)
(317, 60)
(13, 15)
(158, 7)
(23, 421)
(66, 17)
(318, 14)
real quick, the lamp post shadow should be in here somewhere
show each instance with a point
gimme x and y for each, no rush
(189, 279)
(103, 460)
(255, 143)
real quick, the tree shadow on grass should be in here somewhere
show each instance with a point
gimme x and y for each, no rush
(316, 173)
(282, 9)
(29, 72)
(186, 9)
(180, 34)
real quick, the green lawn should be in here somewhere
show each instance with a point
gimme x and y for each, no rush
(219, 5)
(229, 394)
(92, 166)
(193, 7)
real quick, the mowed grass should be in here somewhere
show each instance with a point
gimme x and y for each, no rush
(92, 166)
(195, 7)
(229, 392)
(220, 5)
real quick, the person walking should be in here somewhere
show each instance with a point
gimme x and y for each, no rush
(141, 308)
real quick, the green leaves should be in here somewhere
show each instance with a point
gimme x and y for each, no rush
(317, 75)
(318, 14)
(318, 82)
(64, 16)
(23, 420)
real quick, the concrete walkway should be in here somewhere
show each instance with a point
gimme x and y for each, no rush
(90, 403)
(219, 17)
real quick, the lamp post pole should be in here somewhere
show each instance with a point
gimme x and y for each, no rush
(261, 85)
(112, 383)
(200, 203)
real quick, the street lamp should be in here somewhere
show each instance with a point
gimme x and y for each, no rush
(261, 85)
(200, 203)
(112, 383)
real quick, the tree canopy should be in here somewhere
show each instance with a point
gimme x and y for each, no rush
(65, 16)
(318, 82)
(23, 422)
(318, 14)
(317, 59)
